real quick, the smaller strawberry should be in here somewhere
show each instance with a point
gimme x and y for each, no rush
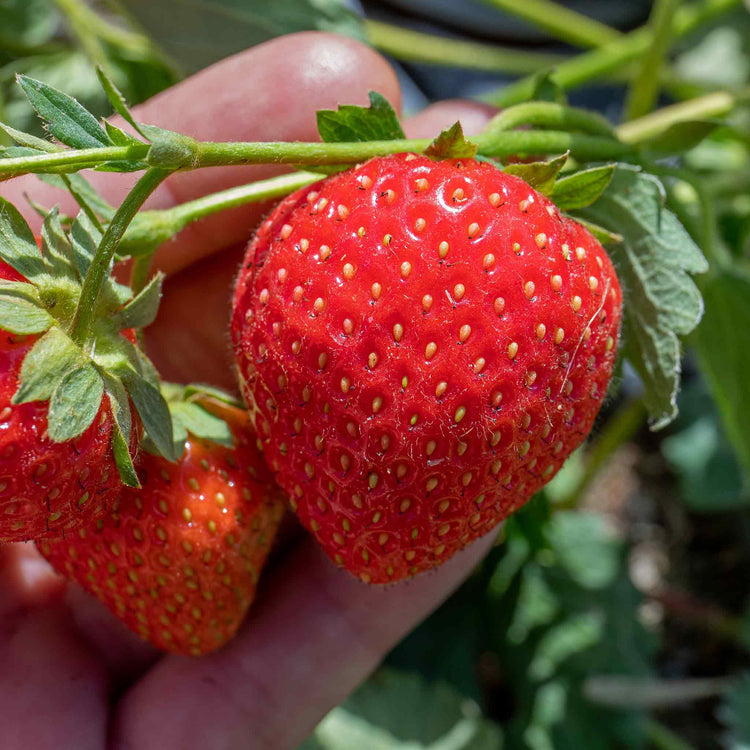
(178, 560)
(68, 429)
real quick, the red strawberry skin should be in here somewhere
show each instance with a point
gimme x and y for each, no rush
(47, 488)
(421, 345)
(178, 560)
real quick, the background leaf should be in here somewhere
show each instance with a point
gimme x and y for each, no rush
(653, 262)
(348, 123)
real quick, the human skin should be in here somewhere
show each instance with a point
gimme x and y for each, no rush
(70, 674)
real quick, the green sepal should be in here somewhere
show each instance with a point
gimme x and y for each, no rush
(201, 390)
(45, 365)
(56, 247)
(350, 123)
(153, 411)
(75, 403)
(19, 316)
(117, 100)
(582, 188)
(28, 140)
(121, 428)
(201, 423)
(141, 310)
(18, 247)
(66, 119)
(451, 144)
(541, 175)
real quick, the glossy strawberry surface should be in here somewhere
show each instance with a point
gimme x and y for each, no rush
(421, 345)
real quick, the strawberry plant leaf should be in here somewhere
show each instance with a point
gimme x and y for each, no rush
(120, 403)
(653, 261)
(141, 310)
(349, 123)
(117, 100)
(82, 190)
(18, 247)
(582, 188)
(201, 390)
(119, 137)
(201, 423)
(451, 144)
(45, 365)
(74, 403)
(153, 411)
(541, 175)
(724, 364)
(603, 235)
(21, 317)
(66, 119)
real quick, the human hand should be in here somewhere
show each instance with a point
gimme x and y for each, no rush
(70, 674)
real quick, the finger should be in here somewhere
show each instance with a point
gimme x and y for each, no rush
(317, 635)
(51, 685)
(184, 345)
(268, 93)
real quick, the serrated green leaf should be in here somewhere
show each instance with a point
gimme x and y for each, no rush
(74, 403)
(141, 310)
(45, 365)
(153, 411)
(451, 144)
(56, 247)
(63, 116)
(541, 175)
(21, 317)
(680, 137)
(117, 100)
(119, 137)
(28, 140)
(18, 247)
(349, 123)
(582, 188)
(724, 363)
(653, 262)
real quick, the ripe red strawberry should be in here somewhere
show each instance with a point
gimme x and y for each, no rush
(48, 487)
(421, 345)
(72, 397)
(178, 560)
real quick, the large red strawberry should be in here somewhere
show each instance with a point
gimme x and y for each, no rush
(67, 427)
(421, 345)
(178, 560)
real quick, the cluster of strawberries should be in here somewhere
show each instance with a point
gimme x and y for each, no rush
(420, 345)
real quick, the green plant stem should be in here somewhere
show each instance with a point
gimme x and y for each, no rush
(416, 46)
(151, 228)
(560, 22)
(71, 160)
(597, 63)
(711, 105)
(100, 265)
(550, 115)
(663, 738)
(644, 90)
(626, 422)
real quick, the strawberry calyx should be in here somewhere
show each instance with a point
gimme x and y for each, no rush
(200, 411)
(72, 377)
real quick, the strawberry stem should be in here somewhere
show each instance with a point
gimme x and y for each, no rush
(101, 264)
